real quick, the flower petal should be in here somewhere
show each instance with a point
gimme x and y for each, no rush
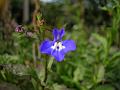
(61, 33)
(56, 34)
(69, 45)
(58, 55)
(46, 47)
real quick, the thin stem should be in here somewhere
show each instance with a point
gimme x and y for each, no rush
(46, 71)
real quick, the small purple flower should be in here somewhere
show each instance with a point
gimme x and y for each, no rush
(57, 48)
(19, 29)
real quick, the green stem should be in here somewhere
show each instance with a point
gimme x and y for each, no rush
(46, 73)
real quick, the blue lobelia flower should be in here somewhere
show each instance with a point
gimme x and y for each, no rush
(57, 48)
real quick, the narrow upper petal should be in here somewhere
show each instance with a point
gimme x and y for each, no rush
(69, 45)
(58, 55)
(46, 47)
(56, 34)
(61, 33)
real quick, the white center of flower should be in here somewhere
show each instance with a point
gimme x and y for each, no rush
(58, 46)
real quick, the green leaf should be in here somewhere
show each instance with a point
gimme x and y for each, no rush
(103, 41)
(39, 17)
(100, 73)
(59, 87)
(115, 56)
(3, 75)
(50, 63)
(104, 8)
(79, 73)
(34, 83)
(41, 73)
(105, 87)
(104, 45)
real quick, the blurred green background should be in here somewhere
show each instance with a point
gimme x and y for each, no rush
(93, 24)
